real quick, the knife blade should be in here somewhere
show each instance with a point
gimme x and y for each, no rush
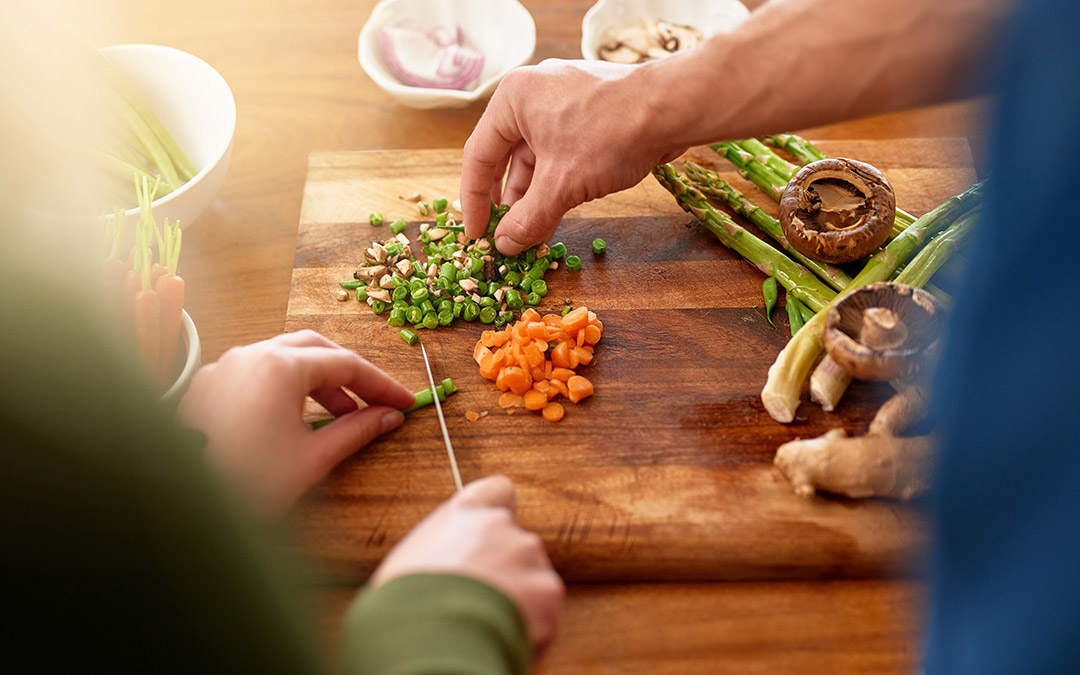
(442, 421)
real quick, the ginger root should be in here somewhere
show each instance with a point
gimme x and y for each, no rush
(879, 464)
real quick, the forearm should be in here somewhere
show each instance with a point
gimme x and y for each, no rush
(801, 63)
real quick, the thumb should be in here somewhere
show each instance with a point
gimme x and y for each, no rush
(489, 491)
(532, 219)
(341, 438)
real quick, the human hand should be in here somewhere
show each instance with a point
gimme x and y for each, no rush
(570, 132)
(249, 405)
(475, 534)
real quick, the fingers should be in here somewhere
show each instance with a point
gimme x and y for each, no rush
(520, 175)
(347, 434)
(336, 401)
(485, 152)
(492, 491)
(533, 218)
(324, 368)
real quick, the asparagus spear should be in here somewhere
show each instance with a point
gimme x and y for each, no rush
(799, 281)
(798, 146)
(781, 393)
(714, 186)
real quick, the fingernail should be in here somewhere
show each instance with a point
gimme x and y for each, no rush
(506, 245)
(391, 419)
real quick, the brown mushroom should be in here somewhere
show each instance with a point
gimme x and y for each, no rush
(837, 210)
(882, 331)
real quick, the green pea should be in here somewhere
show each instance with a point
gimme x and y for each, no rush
(398, 226)
(769, 292)
(599, 246)
(375, 219)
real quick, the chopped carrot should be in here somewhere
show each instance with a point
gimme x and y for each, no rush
(500, 380)
(544, 387)
(538, 373)
(488, 368)
(500, 338)
(471, 415)
(592, 334)
(535, 399)
(537, 330)
(584, 356)
(563, 374)
(553, 412)
(487, 338)
(548, 368)
(530, 315)
(560, 387)
(575, 320)
(534, 356)
(510, 400)
(517, 379)
(560, 356)
(552, 320)
(479, 352)
(579, 388)
(542, 345)
(572, 354)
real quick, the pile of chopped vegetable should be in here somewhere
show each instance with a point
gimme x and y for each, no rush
(535, 360)
(458, 278)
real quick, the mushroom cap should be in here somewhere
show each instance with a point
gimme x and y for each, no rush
(837, 210)
(882, 331)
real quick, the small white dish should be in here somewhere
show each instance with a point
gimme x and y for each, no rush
(196, 106)
(192, 359)
(502, 30)
(709, 17)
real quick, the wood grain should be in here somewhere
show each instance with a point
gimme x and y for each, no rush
(749, 628)
(666, 472)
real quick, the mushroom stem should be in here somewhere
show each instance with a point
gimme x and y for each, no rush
(782, 392)
(882, 328)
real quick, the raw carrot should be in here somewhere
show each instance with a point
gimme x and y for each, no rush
(535, 399)
(553, 412)
(170, 291)
(579, 388)
(148, 326)
(529, 371)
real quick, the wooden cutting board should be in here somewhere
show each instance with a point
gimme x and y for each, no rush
(666, 472)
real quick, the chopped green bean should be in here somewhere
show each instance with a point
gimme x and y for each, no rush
(352, 284)
(397, 318)
(769, 292)
(446, 317)
(419, 295)
(471, 311)
(459, 307)
(378, 306)
(513, 299)
(398, 226)
(488, 301)
(439, 204)
(599, 246)
(532, 299)
(409, 336)
(400, 304)
(449, 387)
(794, 313)
(539, 287)
(573, 263)
(361, 295)
(375, 219)
(557, 251)
(566, 310)
(427, 307)
(414, 315)
(487, 315)
(445, 305)
(431, 320)
(448, 271)
(400, 293)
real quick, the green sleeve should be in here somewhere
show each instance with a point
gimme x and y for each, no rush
(435, 624)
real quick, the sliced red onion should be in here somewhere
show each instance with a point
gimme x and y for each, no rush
(438, 59)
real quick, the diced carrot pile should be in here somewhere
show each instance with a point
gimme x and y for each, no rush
(535, 360)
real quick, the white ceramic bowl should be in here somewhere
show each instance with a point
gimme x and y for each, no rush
(502, 30)
(710, 17)
(196, 106)
(187, 363)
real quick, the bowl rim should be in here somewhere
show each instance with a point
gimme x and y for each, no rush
(219, 154)
(590, 18)
(190, 337)
(377, 73)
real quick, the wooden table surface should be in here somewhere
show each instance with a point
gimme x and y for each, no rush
(298, 87)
